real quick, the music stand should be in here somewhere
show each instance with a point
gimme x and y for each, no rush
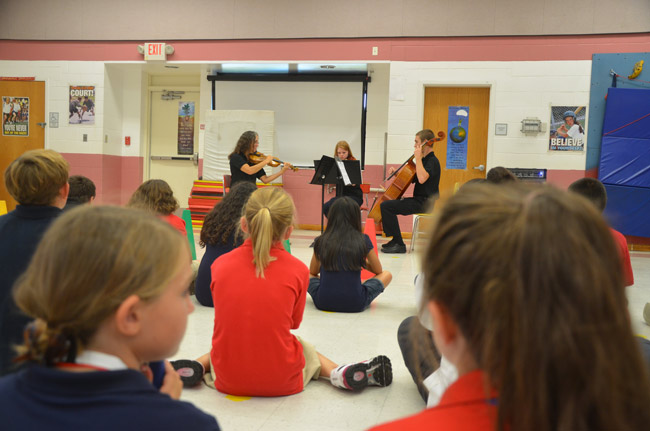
(326, 174)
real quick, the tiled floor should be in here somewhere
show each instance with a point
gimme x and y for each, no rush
(346, 338)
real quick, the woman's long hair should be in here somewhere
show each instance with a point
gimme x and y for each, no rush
(346, 147)
(342, 247)
(269, 212)
(223, 219)
(533, 279)
(244, 144)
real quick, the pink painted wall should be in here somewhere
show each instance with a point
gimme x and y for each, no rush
(521, 48)
(563, 178)
(115, 177)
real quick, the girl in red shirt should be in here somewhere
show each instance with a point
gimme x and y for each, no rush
(259, 292)
(157, 197)
(520, 283)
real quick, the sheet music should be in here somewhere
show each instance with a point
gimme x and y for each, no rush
(344, 173)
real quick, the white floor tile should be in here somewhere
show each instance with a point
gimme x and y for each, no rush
(348, 337)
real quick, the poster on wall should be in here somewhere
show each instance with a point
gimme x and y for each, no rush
(185, 127)
(82, 104)
(567, 128)
(457, 125)
(15, 116)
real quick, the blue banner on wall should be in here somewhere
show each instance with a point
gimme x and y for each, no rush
(457, 143)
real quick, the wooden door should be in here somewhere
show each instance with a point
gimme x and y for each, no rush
(437, 101)
(21, 130)
(181, 171)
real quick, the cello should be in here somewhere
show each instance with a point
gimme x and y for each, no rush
(403, 178)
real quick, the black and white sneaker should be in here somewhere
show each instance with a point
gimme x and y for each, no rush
(379, 371)
(191, 371)
(376, 371)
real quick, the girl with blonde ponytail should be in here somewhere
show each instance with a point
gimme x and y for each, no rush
(108, 289)
(259, 292)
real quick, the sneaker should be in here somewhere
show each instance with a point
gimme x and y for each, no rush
(351, 376)
(379, 371)
(376, 371)
(389, 243)
(191, 372)
(395, 248)
(646, 313)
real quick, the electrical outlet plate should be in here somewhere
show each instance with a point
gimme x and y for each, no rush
(85, 137)
(54, 120)
(375, 50)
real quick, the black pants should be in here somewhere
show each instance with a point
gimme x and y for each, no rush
(391, 209)
(420, 354)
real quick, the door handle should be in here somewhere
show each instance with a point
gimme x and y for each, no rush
(171, 158)
(479, 168)
(41, 124)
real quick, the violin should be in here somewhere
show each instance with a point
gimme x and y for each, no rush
(403, 178)
(258, 157)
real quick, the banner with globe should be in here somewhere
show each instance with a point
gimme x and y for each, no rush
(457, 126)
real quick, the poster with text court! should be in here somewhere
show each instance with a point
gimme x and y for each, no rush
(15, 116)
(82, 104)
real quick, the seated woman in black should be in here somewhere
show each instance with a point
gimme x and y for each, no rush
(220, 234)
(240, 167)
(353, 191)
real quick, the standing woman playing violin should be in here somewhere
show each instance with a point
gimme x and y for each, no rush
(426, 181)
(240, 167)
(353, 191)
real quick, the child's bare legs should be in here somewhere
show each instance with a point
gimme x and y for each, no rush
(326, 366)
(376, 371)
(205, 361)
(385, 277)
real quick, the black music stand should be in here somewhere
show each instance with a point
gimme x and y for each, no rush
(325, 173)
(328, 172)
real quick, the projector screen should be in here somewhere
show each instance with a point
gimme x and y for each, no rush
(310, 117)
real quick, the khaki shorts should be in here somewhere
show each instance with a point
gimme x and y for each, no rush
(312, 362)
(310, 372)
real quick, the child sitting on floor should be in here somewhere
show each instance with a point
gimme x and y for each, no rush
(259, 292)
(157, 197)
(525, 292)
(107, 288)
(339, 254)
(220, 234)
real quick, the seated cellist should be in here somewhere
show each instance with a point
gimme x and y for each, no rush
(427, 179)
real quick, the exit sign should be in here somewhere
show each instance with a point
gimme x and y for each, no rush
(154, 51)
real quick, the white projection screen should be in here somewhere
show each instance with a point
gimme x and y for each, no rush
(310, 117)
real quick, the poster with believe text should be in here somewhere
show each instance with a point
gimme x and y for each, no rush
(567, 131)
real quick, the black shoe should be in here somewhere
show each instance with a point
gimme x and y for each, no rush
(380, 371)
(191, 372)
(389, 244)
(395, 248)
